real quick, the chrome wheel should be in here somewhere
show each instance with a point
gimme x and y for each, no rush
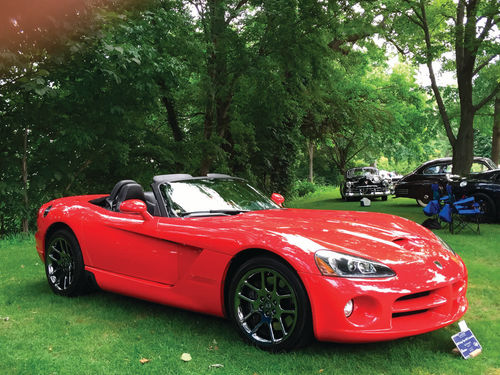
(266, 306)
(64, 265)
(60, 264)
(424, 201)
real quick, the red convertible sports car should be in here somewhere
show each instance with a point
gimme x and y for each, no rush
(216, 245)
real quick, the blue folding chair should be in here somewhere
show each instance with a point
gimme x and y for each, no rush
(464, 213)
(432, 210)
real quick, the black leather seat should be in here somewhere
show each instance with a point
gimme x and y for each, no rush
(111, 200)
(152, 203)
(129, 191)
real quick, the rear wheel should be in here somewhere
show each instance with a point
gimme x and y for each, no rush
(64, 264)
(487, 206)
(423, 201)
(269, 305)
(384, 198)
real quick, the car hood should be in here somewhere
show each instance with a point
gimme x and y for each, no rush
(397, 242)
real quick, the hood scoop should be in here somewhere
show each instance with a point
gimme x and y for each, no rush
(414, 244)
(399, 240)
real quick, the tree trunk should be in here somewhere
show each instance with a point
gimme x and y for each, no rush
(463, 149)
(2, 225)
(25, 227)
(207, 158)
(219, 92)
(495, 139)
(310, 150)
(172, 118)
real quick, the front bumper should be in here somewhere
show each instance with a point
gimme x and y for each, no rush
(383, 308)
(401, 192)
(367, 192)
(39, 245)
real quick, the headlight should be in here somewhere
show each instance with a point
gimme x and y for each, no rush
(348, 184)
(331, 263)
(446, 246)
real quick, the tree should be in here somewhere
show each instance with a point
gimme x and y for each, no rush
(465, 28)
(495, 141)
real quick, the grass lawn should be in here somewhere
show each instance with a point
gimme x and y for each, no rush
(104, 333)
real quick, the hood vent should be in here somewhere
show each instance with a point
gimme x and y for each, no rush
(400, 240)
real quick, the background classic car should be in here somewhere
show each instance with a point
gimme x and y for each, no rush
(365, 182)
(485, 188)
(417, 184)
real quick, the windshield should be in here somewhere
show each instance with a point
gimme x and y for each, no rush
(222, 195)
(490, 163)
(360, 172)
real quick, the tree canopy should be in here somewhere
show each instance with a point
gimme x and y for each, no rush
(273, 91)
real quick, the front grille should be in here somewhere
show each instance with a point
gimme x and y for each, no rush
(369, 189)
(408, 313)
(401, 191)
(414, 295)
(420, 302)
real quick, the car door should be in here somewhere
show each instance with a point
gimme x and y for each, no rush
(433, 174)
(126, 244)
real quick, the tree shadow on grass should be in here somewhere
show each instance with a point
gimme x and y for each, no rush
(34, 288)
(131, 308)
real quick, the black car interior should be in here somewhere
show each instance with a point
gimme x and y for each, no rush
(125, 190)
(130, 189)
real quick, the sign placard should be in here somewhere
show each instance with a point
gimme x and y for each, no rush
(466, 342)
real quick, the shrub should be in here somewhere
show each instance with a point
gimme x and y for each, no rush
(303, 187)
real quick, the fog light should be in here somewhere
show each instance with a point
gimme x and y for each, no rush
(349, 306)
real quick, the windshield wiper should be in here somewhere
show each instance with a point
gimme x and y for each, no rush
(212, 212)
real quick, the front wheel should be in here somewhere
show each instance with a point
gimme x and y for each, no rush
(342, 192)
(64, 264)
(269, 305)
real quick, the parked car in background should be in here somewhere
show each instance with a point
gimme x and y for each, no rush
(417, 184)
(485, 188)
(392, 177)
(365, 182)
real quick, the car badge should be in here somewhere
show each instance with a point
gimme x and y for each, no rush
(439, 265)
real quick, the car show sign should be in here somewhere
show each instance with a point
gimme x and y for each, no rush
(466, 342)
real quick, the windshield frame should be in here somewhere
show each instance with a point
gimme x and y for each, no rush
(169, 204)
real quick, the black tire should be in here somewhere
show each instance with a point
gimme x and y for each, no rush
(342, 192)
(384, 198)
(423, 201)
(487, 206)
(269, 305)
(64, 265)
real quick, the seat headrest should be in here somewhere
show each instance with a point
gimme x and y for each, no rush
(131, 191)
(118, 186)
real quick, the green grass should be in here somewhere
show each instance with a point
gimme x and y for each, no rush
(104, 333)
